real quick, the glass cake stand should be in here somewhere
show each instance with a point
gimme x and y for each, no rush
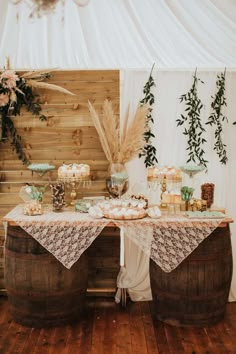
(192, 170)
(40, 168)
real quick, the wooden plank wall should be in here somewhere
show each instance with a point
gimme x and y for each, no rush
(67, 136)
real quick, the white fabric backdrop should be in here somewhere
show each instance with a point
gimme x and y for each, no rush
(121, 34)
(171, 143)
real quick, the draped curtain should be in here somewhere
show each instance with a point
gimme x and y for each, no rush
(171, 143)
(120, 34)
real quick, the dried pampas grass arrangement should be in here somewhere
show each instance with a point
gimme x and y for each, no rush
(101, 133)
(44, 85)
(111, 127)
(120, 148)
(133, 140)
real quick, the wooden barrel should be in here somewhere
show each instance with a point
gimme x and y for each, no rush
(196, 292)
(41, 291)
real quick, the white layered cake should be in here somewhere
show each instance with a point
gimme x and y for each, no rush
(73, 171)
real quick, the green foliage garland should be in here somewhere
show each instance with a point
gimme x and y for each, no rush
(191, 121)
(217, 118)
(149, 151)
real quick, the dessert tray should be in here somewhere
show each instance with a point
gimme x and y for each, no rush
(205, 215)
(124, 213)
(120, 209)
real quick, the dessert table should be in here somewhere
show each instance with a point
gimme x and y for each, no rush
(67, 235)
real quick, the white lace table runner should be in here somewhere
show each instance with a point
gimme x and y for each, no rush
(167, 241)
(64, 234)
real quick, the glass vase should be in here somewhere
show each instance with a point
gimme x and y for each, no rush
(58, 196)
(118, 182)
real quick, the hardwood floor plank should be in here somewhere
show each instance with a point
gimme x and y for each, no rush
(225, 337)
(138, 340)
(230, 328)
(160, 334)
(21, 338)
(12, 335)
(79, 338)
(174, 339)
(149, 329)
(123, 344)
(188, 340)
(110, 337)
(31, 343)
(98, 330)
(59, 340)
(107, 328)
(73, 338)
(216, 342)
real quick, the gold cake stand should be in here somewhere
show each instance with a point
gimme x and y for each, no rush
(74, 182)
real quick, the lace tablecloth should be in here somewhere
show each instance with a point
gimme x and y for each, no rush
(68, 234)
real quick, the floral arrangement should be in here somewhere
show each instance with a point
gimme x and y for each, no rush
(120, 148)
(17, 91)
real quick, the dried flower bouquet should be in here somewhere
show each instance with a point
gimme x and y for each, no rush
(120, 148)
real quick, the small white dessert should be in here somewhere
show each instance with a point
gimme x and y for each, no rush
(154, 212)
(95, 212)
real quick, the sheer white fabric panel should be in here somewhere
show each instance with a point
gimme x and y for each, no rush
(170, 142)
(120, 34)
(134, 276)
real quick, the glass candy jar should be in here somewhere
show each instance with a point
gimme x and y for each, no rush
(118, 182)
(58, 196)
(207, 194)
(33, 207)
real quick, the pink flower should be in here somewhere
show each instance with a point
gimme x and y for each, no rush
(8, 79)
(4, 99)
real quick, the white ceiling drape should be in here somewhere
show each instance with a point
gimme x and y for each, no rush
(121, 34)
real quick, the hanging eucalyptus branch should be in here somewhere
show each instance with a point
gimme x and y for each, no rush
(149, 151)
(217, 118)
(193, 127)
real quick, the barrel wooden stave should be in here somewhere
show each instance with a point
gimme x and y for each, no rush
(196, 292)
(41, 291)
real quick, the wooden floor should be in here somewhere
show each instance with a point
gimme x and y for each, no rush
(107, 328)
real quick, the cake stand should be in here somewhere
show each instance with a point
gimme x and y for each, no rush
(73, 181)
(40, 168)
(191, 171)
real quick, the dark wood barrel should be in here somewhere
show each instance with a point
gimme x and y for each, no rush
(41, 291)
(196, 292)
